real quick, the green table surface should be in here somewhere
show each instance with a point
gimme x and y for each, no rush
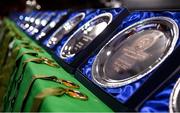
(51, 103)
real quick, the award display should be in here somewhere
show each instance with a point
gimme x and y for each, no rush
(135, 52)
(174, 104)
(85, 35)
(29, 20)
(65, 29)
(43, 23)
(51, 25)
(128, 59)
(37, 22)
(21, 17)
(24, 18)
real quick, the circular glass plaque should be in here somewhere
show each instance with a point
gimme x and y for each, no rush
(65, 29)
(174, 104)
(135, 51)
(50, 26)
(85, 35)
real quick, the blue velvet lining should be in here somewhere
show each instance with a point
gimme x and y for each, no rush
(160, 101)
(114, 12)
(122, 94)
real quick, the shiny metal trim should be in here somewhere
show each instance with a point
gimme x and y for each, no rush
(72, 36)
(173, 98)
(114, 83)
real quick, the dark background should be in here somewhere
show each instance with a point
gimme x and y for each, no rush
(11, 5)
(8, 6)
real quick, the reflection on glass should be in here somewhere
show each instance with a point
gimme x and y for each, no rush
(85, 35)
(49, 27)
(174, 104)
(134, 52)
(65, 29)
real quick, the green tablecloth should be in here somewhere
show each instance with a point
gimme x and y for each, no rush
(51, 103)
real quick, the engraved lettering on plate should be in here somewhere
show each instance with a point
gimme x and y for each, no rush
(85, 35)
(136, 52)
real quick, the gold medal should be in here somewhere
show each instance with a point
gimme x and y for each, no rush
(76, 94)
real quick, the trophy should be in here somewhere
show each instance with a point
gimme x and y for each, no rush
(135, 52)
(174, 104)
(64, 29)
(81, 38)
(52, 24)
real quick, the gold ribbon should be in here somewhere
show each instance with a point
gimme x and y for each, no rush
(59, 91)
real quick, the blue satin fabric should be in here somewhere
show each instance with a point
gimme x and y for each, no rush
(114, 12)
(122, 94)
(160, 101)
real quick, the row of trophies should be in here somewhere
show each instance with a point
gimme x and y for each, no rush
(119, 55)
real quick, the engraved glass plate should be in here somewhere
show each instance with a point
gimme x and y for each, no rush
(50, 26)
(85, 35)
(65, 29)
(174, 104)
(135, 52)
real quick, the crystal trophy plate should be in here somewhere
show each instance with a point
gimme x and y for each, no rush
(81, 38)
(135, 52)
(174, 104)
(65, 29)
